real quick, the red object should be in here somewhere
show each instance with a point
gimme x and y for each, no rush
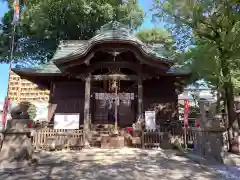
(5, 110)
(129, 129)
(186, 111)
(196, 123)
(30, 125)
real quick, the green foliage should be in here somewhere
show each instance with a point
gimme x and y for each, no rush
(210, 32)
(205, 64)
(160, 40)
(32, 111)
(155, 35)
(44, 23)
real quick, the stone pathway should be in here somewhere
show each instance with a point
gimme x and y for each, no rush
(116, 164)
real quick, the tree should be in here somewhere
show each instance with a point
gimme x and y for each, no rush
(160, 40)
(44, 23)
(217, 24)
(32, 111)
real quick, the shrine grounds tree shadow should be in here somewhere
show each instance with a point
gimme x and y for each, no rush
(89, 165)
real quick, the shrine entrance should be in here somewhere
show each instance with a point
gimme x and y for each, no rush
(112, 103)
(109, 107)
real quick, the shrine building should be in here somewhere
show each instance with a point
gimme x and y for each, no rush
(112, 75)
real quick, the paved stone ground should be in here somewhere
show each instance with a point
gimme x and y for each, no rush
(116, 164)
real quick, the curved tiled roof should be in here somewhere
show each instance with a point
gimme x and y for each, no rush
(48, 68)
(110, 32)
(72, 48)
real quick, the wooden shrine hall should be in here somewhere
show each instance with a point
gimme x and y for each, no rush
(112, 78)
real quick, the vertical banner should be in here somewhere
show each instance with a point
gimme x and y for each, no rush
(196, 123)
(186, 111)
(5, 111)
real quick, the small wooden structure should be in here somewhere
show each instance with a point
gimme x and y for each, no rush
(110, 79)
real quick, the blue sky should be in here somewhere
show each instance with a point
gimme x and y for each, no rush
(146, 4)
(3, 67)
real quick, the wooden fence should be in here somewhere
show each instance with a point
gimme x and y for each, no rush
(161, 138)
(47, 138)
(152, 138)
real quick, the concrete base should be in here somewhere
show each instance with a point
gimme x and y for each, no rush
(112, 142)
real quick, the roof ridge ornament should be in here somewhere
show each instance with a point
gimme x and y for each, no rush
(114, 26)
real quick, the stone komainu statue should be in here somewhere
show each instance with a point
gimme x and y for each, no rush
(25, 110)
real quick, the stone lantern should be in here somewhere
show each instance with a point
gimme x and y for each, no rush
(17, 145)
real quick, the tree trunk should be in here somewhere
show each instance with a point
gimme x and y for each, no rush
(233, 124)
(218, 106)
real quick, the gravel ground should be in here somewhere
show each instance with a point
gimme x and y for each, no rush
(117, 164)
(228, 172)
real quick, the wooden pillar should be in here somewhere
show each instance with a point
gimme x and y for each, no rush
(87, 109)
(52, 106)
(140, 94)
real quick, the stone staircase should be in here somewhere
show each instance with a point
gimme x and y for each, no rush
(97, 131)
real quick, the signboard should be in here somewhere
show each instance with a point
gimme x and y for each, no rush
(150, 120)
(66, 121)
(41, 111)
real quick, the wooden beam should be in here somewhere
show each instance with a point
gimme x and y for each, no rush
(88, 58)
(140, 94)
(76, 62)
(114, 77)
(110, 77)
(111, 64)
(87, 109)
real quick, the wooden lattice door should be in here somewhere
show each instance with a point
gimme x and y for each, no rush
(104, 108)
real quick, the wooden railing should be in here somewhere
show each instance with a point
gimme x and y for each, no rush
(152, 138)
(47, 138)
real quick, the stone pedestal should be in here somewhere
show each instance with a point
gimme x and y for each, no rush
(208, 143)
(166, 141)
(19, 123)
(16, 146)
